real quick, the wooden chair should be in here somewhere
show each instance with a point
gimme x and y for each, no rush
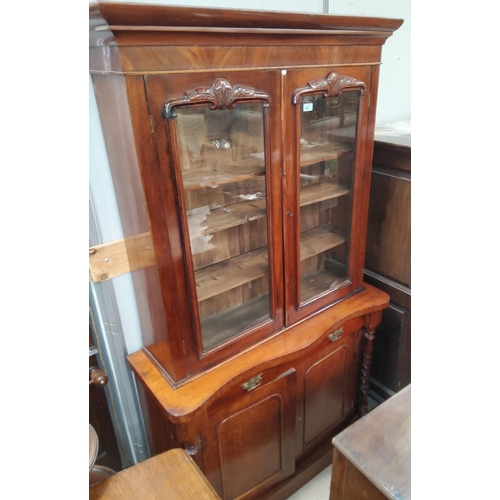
(170, 475)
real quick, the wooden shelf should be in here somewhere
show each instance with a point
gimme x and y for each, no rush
(223, 326)
(204, 221)
(218, 278)
(321, 192)
(224, 276)
(316, 283)
(318, 240)
(314, 154)
(198, 178)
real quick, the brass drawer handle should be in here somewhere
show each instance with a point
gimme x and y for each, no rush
(335, 335)
(252, 383)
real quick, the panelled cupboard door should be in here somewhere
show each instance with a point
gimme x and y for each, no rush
(326, 169)
(330, 387)
(250, 443)
(218, 144)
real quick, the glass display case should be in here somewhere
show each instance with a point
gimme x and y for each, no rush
(240, 146)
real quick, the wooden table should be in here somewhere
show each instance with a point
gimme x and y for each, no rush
(169, 476)
(372, 457)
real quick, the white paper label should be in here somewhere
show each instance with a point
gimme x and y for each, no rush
(307, 106)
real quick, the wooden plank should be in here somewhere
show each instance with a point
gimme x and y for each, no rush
(122, 256)
(172, 474)
(203, 221)
(321, 192)
(215, 175)
(316, 283)
(318, 240)
(118, 257)
(322, 152)
(224, 276)
(218, 278)
(223, 326)
(115, 258)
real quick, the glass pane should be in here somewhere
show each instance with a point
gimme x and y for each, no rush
(223, 169)
(327, 153)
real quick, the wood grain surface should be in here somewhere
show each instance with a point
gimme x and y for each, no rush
(379, 447)
(172, 474)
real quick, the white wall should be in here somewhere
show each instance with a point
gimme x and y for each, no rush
(394, 95)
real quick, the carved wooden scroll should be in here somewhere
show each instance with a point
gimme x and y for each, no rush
(331, 86)
(221, 95)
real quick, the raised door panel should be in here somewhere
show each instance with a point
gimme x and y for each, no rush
(388, 249)
(330, 388)
(325, 177)
(250, 445)
(324, 394)
(218, 144)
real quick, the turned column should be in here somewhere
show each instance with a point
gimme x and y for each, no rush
(371, 324)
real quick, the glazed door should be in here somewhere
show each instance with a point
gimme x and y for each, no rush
(221, 140)
(325, 176)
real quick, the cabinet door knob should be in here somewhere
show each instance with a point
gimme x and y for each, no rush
(252, 383)
(97, 377)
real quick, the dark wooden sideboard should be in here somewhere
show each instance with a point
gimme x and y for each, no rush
(388, 258)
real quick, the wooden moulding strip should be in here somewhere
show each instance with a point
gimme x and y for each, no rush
(113, 259)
